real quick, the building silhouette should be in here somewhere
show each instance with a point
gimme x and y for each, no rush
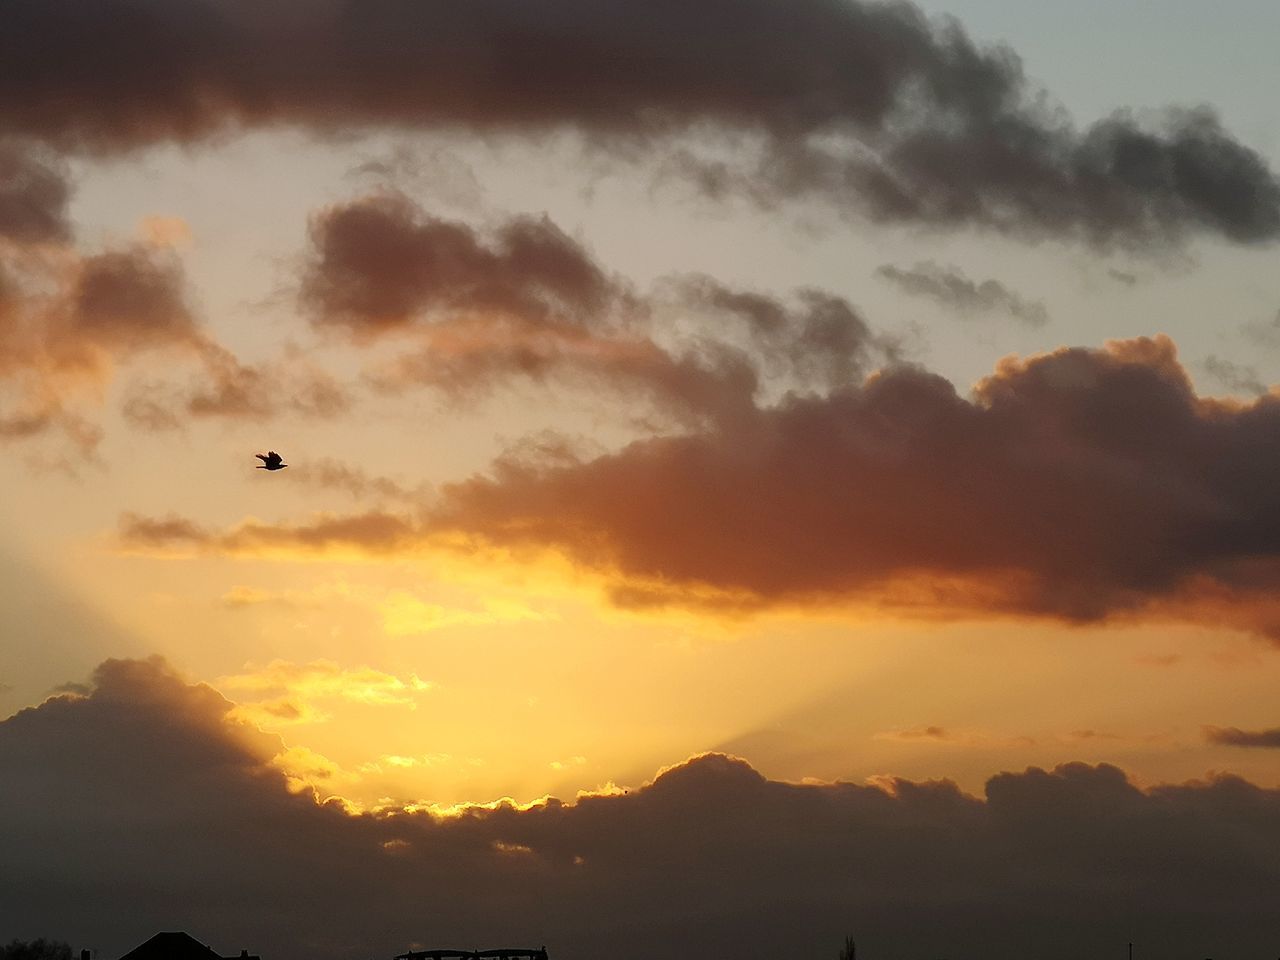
(174, 945)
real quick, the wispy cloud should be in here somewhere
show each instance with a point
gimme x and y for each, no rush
(951, 288)
(283, 692)
(1235, 737)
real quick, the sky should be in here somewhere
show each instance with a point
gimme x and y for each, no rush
(758, 473)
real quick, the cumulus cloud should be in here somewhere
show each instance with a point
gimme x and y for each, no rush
(870, 106)
(1235, 737)
(951, 288)
(93, 780)
(1083, 484)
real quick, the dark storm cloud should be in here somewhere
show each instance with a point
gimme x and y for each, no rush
(1235, 737)
(33, 195)
(1081, 485)
(867, 105)
(951, 288)
(144, 806)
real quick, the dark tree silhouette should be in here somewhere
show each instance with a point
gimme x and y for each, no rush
(849, 951)
(40, 949)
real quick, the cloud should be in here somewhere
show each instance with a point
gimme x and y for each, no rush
(433, 172)
(323, 679)
(472, 311)
(226, 388)
(34, 193)
(283, 693)
(959, 738)
(870, 107)
(331, 474)
(818, 339)
(144, 805)
(1264, 333)
(130, 300)
(1234, 376)
(1235, 737)
(1082, 485)
(951, 288)
(919, 733)
(369, 533)
(69, 321)
(525, 301)
(381, 261)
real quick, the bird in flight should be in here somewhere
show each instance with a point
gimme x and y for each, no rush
(270, 460)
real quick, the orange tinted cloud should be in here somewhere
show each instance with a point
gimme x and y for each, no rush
(285, 693)
(152, 776)
(59, 349)
(1081, 484)
(372, 533)
(69, 320)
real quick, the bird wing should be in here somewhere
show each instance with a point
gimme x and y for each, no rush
(275, 457)
(263, 457)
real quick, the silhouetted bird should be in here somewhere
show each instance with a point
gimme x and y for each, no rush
(270, 460)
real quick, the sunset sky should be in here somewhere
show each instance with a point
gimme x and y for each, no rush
(759, 472)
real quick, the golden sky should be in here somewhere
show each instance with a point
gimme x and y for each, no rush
(695, 414)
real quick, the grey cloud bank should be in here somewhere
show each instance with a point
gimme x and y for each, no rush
(871, 106)
(711, 857)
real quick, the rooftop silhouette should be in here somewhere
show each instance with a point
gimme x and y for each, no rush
(175, 945)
